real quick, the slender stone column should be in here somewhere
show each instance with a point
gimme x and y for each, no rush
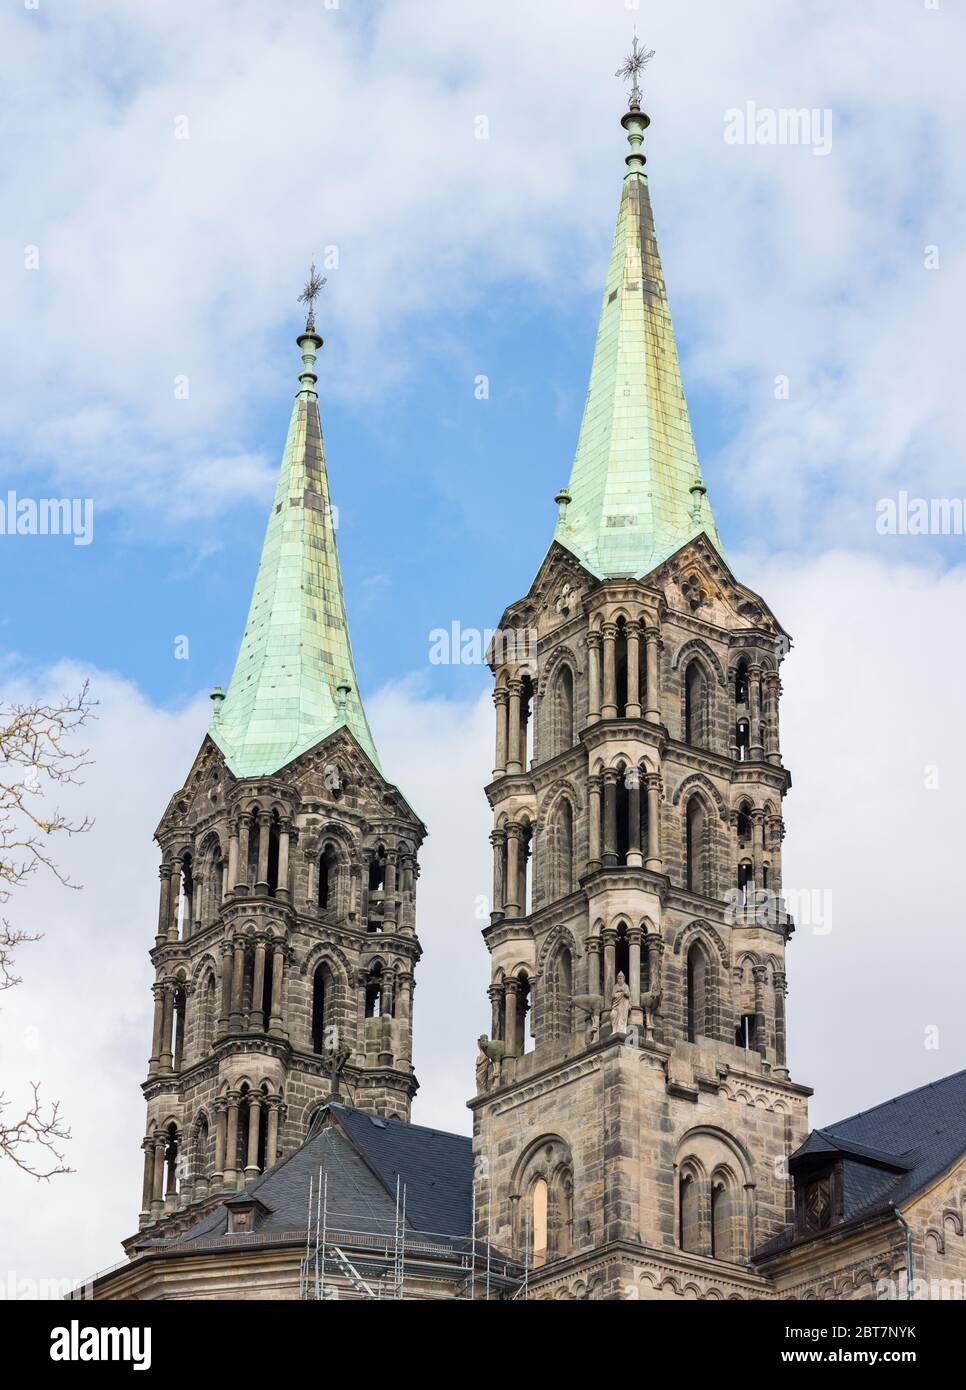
(593, 827)
(254, 1120)
(772, 694)
(608, 709)
(593, 966)
(404, 1015)
(389, 901)
(154, 1064)
(174, 897)
(275, 1024)
(632, 780)
(511, 907)
(632, 710)
(164, 1056)
(271, 1132)
(231, 1140)
(226, 986)
(231, 874)
(498, 841)
(244, 832)
(609, 938)
(526, 849)
(654, 861)
(157, 1191)
(655, 972)
(171, 1183)
(187, 917)
(257, 1016)
(610, 816)
(264, 837)
(235, 1022)
(514, 764)
(511, 987)
(282, 891)
(760, 973)
(652, 695)
(164, 908)
(754, 693)
(495, 993)
(757, 851)
(634, 983)
(780, 987)
(593, 677)
(500, 701)
(147, 1189)
(179, 1025)
(221, 1124)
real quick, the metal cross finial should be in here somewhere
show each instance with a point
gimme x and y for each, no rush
(313, 287)
(632, 67)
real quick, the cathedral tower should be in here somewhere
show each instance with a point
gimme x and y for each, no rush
(286, 940)
(634, 1111)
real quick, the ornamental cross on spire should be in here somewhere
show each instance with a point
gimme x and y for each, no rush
(632, 67)
(313, 287)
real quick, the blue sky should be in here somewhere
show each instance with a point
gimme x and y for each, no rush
(445, 500)
(307, 127)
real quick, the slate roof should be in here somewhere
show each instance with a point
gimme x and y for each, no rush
(361, 1155)
(889, 1153)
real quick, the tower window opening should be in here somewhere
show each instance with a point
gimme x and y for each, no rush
(746, 883)
(539, 1214)
(622, 953)
(722, 1219)
(563, 710)
(697, 993)
(374, 996)
(695, 848)
(327, 876)
(526, 723)
(623, 814)
(689, 1214)
(695, 702)
(743, 740)
(525, 1015)
(319, 1003)
(274, 830)
(620, 666)
(745, 1032)
(741, 684)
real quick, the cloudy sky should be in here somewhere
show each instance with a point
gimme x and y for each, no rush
(169, 171)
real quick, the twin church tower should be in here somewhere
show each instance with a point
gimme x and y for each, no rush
(633, 1111)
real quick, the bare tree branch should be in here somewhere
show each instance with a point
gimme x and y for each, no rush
(35, 750)
(35, 1131)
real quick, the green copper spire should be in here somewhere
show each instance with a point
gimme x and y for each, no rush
(635, 493)
(294, 681)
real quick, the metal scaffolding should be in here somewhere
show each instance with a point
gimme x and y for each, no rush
(361, 1256)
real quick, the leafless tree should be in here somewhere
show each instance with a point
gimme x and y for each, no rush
(36, 749)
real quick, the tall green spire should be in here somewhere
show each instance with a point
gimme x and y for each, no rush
(635, 493)
(294, 680)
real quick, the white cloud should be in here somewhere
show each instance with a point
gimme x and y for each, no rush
(872, 699)
(310, 127)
